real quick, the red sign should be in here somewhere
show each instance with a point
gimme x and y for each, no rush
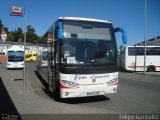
(16, 10)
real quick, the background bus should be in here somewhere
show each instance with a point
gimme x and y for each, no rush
(43, 61)
(44, 58)
(30, 56)
(15, 56)
(132, 58)
(85, 57)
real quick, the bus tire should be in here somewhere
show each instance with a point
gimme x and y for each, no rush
(151, 68)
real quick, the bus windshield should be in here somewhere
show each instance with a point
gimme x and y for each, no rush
(87, 43)
(15, 56)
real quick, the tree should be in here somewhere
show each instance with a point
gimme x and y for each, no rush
(43, 39)
(1, 24)
(32, 37)
(16, 35)
(10, 36)
(6, 30)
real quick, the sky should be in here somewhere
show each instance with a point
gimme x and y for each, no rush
(128, 14)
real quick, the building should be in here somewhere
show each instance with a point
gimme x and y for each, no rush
(151, 42)
(3, 35)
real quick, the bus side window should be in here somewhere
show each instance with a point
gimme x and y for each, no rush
(150, 51)
(158, 51)
(140, 51)
(131, 51)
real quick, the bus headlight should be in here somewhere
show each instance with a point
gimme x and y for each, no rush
(69, 83)
(112, 82)
(8, 64)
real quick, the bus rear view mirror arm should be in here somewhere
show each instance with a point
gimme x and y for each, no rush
(124, 36)
(59, 31)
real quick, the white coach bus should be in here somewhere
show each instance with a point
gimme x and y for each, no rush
(15, 57)
(85, 57)
(132, 58)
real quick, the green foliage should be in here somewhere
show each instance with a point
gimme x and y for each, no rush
(1, 24)
(10, 36)
(43, 39)
(32, 37)
(6, 29)
(18, 35)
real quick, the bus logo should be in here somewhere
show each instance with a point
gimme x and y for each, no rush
(93, 77)
(79, 77)
(99, 76)
(94, 80)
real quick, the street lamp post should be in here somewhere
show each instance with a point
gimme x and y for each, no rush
(19, 11)
(24, 69)
(145, 23)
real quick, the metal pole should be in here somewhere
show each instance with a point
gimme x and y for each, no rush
(24, 69)
(145, 23)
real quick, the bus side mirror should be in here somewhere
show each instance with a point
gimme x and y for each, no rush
(59, 31)
(124, 36)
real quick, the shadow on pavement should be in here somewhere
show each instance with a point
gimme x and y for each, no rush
(8, 110)
(84, 99)
(125, 71)
(69, 100)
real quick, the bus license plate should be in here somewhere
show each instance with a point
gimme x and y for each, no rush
(92, 93)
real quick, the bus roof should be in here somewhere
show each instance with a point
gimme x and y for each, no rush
(45, 49)
(84, 19)
(143, 46)
(16, 48)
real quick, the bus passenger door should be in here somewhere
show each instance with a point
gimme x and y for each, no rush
(51, 69)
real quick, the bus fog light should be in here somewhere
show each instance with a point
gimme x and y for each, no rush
(66, 93)
(112, 82)
(114, 90)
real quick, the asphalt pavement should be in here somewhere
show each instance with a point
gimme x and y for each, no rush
(137, 93)
(34, 100)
